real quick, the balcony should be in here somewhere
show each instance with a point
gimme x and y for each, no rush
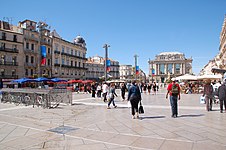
(56, 52)
(11, 50)
(2, 76)
(45, 42)
(27, 64)
(31, 38)
(29, 51)
(8, 63)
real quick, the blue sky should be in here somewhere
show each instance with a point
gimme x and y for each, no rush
(142, 27)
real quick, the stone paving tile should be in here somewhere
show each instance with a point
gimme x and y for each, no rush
(148, 143)
(99, 128)
(207, 146)
(176, 145)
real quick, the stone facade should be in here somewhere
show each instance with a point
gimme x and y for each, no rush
(96, 65)
(169, 64)
(68, 58)
(11, 52)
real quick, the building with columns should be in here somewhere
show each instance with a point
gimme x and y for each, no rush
(126, 71)
(169, 64)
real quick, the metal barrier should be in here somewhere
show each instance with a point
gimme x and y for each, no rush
(46, 98)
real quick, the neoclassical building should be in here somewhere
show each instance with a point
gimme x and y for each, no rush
(169, 64)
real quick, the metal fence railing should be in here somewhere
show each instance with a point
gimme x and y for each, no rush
(46, 98)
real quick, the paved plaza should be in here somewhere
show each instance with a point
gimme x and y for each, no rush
(87, 124)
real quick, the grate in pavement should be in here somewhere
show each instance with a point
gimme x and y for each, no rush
(63, 129)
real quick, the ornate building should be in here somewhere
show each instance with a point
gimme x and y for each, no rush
(169, 64)
(68, 58)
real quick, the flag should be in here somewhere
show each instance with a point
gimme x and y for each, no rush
(43, 54)
(137, 69)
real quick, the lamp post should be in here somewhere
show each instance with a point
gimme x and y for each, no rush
(135, 56)
(106, 58)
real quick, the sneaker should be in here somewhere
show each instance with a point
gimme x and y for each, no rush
(108, 107)
(221, 111)
(115, 106)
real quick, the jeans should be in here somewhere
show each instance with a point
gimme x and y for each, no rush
(209, 102)
(111, 100)
(173, 103)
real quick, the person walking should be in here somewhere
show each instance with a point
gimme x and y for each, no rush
(123, 91)
(173, 90)
(93, 89)
(112, 95)
(105, 90)
(149, 88)
(154, 87)
(134, 96)
(208, 93)
(222, 96)
(99, 90)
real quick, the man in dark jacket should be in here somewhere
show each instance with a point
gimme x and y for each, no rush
(134, 96)
(222, 96)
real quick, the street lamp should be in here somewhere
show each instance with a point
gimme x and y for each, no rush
(106, 58)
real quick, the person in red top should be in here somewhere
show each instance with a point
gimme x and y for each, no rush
(173, 90)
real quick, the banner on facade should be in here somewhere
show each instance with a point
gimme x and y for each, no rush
(137, 69)
(43, 54)
(108, 65)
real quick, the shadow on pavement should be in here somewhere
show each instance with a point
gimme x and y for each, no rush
(153, 117)
(196, 115)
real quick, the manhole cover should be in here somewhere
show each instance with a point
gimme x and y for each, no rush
(63, 129)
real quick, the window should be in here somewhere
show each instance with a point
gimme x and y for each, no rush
(3, 35)
(14, 38)
(170, 68)
(14, 47)
(26, 72)
(71, 63)
(63, 61)
(26, 59)
(14, 60)
(178, 66)
(49, 62)
(71, 51)
(13, 72)
(75, 53)
(27, 45)
(79, 54)
(49, 52)
(56, 61)
(62, 49)
(32, 59)
(32, 46)
(79, 64)
(3, 59)
(32, 72)
(2, 72)
(75, 63)
(162, 68)
(3, 46)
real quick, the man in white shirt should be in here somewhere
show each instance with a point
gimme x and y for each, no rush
(105, 90)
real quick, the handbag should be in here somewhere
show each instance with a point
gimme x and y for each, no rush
(141, 109)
